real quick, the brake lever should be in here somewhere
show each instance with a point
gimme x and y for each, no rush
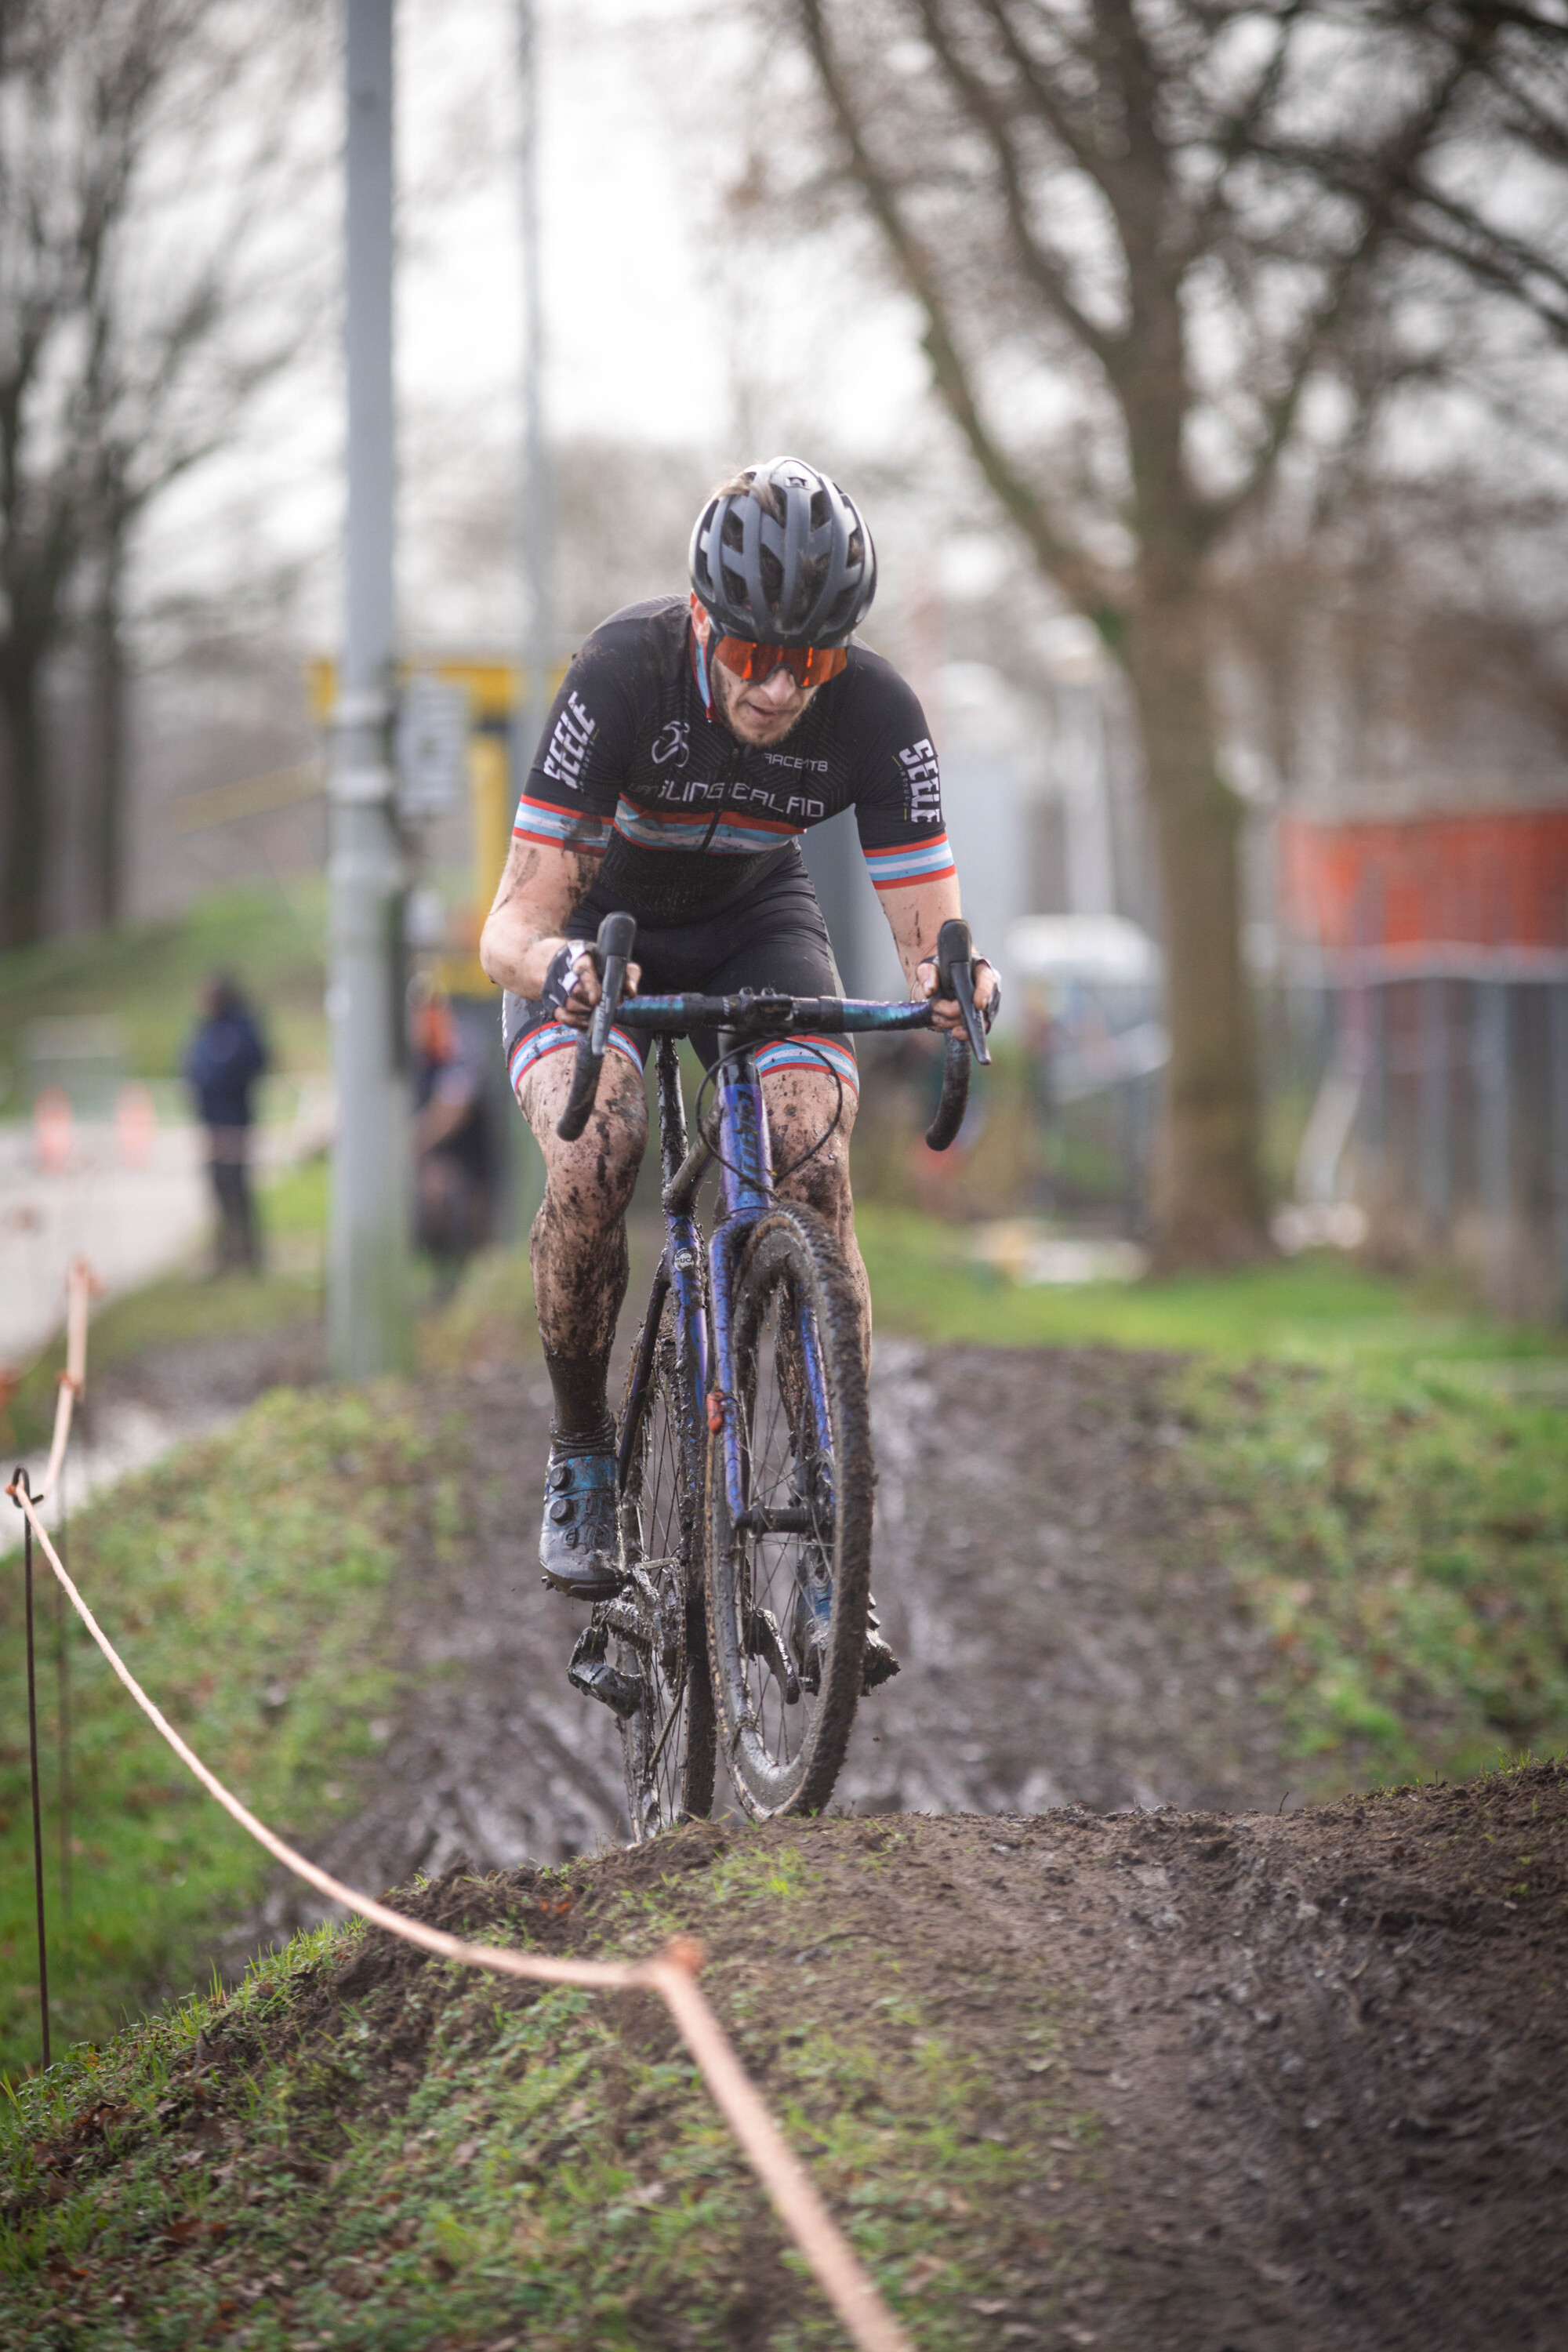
(618, 934)
(955, 979)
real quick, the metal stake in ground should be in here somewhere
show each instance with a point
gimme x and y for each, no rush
(63, 1707)
(33, 1750)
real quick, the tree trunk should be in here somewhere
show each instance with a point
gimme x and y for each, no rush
(1209, 1199)
(24, 855)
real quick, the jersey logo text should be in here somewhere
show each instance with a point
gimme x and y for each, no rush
(575, 732)
(924, 779)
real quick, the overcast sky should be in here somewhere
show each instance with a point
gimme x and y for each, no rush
(651, 335)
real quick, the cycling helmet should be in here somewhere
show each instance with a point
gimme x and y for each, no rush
(781, 556)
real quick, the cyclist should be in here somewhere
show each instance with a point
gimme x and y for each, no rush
(692, 743)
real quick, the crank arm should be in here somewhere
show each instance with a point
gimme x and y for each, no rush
(764, 1640)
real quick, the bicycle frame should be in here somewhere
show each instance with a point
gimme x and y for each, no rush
(736, 1135)
(738, 1138)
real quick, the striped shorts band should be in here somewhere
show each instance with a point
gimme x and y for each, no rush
(785, 1053)
(551, 1037)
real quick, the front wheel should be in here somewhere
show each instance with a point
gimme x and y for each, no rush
(790, 1499)
(655, 1622)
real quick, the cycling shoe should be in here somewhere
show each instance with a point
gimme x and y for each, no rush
(579, 1541)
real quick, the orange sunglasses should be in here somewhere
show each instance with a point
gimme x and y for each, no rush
(808, 665)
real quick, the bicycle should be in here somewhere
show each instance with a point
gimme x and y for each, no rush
(744, 1469)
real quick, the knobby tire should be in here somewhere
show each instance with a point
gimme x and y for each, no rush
(783, 1757)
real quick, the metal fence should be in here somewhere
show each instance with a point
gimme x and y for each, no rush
(1440, 1107)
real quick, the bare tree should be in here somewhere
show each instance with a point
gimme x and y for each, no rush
(148, 180)
(1138, 235)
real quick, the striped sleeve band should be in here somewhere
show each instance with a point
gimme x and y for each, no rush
(914, 861)
(561, 828)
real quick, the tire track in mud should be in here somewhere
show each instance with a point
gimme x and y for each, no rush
(1052, 1654)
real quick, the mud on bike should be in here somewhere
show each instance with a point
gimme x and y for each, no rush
(745, 1478)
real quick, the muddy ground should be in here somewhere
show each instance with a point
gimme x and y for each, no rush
(1325, 2048)
(1058, 1645)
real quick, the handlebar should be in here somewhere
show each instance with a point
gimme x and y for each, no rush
(761, 1014)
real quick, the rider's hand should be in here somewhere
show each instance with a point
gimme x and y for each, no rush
(580, 980)
(946, 1014)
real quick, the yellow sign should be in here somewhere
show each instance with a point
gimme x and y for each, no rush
(494, 688)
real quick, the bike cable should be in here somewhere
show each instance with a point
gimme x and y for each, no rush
(828, 1132)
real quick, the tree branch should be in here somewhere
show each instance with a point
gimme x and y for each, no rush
(1080, 578)
(1375, 185)
(1045, 271)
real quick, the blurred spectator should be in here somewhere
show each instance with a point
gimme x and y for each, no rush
(223, 1062)
(452, 1139)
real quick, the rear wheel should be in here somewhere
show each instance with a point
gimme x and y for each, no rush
(655, 1626)
(789, 1561)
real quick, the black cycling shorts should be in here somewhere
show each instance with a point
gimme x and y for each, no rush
(773, 938)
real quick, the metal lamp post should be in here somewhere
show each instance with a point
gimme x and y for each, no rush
(368, 1320)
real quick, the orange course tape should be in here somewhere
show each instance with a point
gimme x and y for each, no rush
(671, 1974)
(80, 1283)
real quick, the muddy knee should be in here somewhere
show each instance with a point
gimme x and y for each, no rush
(821, 1184)
(588, 1182)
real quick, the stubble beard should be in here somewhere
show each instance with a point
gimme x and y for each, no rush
(726, 688)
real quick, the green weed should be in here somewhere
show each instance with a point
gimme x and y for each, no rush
(244, 1582)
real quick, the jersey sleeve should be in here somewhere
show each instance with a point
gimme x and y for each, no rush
(898, 786)
(574, 782)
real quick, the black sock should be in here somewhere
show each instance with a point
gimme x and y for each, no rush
(583, 1418)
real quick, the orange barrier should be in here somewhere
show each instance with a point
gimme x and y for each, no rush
(672, 1973)
(1493, 879)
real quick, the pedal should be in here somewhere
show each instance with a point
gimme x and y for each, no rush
(591, 1673)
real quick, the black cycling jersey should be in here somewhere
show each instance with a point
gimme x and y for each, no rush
(634, 766)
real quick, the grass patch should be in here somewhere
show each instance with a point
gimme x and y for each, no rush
(246, 1582)
(923, 1283)
(364, 2148)
(1402, 1531)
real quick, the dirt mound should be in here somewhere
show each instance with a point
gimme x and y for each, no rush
(1270, 2083)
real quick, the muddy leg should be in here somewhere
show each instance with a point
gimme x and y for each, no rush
(578, 1246)
(801, 1105)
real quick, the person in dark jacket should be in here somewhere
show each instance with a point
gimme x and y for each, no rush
(453, 1140)
(223, 1062)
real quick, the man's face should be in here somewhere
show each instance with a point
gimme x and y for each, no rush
(760, 711)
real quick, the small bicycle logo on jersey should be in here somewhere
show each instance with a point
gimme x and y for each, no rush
(673, 742)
